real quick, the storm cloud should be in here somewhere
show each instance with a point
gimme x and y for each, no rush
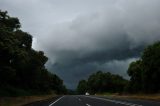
(81, 37)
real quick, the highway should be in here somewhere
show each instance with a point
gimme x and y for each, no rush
(82, 100)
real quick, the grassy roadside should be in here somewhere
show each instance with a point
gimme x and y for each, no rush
(154, 97)
(19, 101)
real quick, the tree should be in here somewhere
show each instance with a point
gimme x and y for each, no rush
(82, 87)
(145, 73)
(151, 65)
(21, 67)
(135, 71)
(8, 47)
(102, 82)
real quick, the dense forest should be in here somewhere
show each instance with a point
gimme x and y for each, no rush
(22, 69)
(144, 76)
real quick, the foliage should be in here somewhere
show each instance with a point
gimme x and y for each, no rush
(21, 67)
(82, 87)
(135, 71)
(102, 82)
(145, 73)
(151, 67)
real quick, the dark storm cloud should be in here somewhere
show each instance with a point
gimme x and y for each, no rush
(105, 40)
(81, 37)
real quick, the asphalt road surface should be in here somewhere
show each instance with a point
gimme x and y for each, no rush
(81, 100)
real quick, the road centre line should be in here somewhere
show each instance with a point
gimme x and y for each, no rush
(115, 101)
(88, 104)
(79, 99)
(55, 101)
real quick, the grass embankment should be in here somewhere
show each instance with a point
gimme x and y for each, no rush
(154, 97)
(19, 101)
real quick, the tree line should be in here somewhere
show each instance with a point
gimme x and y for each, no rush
(102, 82)
(144, 76)
(22, 69)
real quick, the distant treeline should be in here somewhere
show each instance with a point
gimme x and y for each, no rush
(22, 70)
(144, 76)
(101, 82)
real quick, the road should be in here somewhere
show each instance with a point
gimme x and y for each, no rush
(82, 100)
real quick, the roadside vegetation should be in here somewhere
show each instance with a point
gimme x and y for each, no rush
(145, 72)
(23, 100)
(22, 69)
(153, 97)
(102, 82)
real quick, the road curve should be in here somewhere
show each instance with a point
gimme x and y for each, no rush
(82, 100)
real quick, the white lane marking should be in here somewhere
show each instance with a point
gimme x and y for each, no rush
(116, 101)
(79, 99)
(55, 101)
(88, 104)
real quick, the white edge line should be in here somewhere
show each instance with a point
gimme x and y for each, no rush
(55, 101)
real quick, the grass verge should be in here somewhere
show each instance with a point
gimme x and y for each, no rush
(154, 97)
(19, 101)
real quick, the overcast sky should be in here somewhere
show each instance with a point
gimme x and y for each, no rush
(83, 36)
